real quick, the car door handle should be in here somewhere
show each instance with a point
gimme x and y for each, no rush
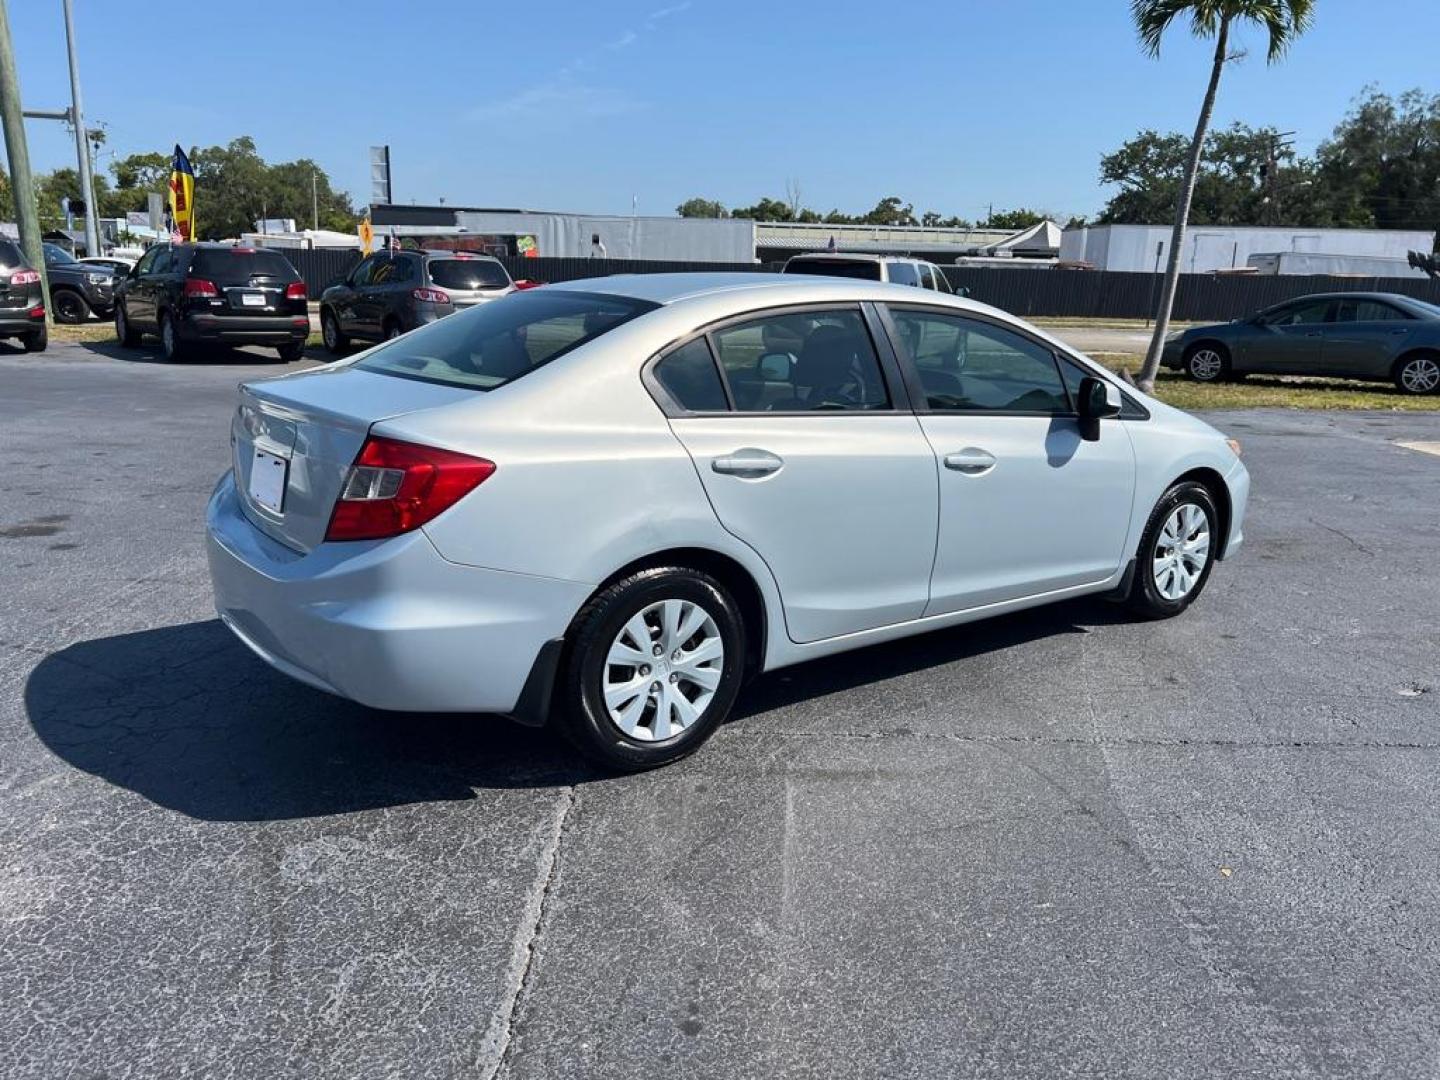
(748, 463)
(1315, 333)
(1398, 333)
(972, 461)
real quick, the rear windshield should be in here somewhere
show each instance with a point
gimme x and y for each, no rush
(496, 343)
(234, 266)
(468, 274)
(10, 254)
(864, 269)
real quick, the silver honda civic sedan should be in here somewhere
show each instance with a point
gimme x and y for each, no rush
(606, 504)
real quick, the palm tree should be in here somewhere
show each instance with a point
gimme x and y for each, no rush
(1284, 21)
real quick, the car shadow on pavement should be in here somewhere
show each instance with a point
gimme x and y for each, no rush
(148, 352)
(186, 717)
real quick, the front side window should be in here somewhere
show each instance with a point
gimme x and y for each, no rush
(1302, 314)
(967, 365)
(802, 362)
(904, 273)
(147, 261)
(493, 344)
(689, 376)
(361, 275)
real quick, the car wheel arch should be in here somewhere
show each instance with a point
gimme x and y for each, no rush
(1214, 483)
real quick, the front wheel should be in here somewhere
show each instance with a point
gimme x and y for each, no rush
(1418, 374)
(652, 667)
(70, 306)
(1177, 550)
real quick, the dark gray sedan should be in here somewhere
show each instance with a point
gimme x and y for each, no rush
(1377, 336)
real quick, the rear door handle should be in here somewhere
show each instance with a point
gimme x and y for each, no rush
(972, 461)
(748, 463)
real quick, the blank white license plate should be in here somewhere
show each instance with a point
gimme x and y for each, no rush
(267, 481)
(252, 299)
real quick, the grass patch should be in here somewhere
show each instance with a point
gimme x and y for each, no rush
(94, 331)
(1273, 391)
(1075, 322)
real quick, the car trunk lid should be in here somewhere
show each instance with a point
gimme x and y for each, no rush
(295, 438)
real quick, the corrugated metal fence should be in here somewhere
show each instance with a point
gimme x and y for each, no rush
(1076, 293)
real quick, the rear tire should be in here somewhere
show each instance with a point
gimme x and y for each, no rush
(392, 330)
(36, 340)
(174, 349)
(330, 332)
(70, 306)
(1418, 373)
(1177, 551)
(292, 351)
(1207, 362)
(128, 335)
(664, 705)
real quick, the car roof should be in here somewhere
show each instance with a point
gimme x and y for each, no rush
(853, 256)
(1346, 296)
(774, 289)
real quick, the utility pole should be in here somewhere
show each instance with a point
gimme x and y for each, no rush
(314, 201)
(1270, 174)
(82, 142)
(22, 184)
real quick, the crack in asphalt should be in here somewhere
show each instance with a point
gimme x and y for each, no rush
(1344, 536)
(494, 1050)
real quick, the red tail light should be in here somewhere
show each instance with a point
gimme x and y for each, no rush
(434, 296)
(25, 277)
(295, 291)
(395, 487)
(200, 288)
(36, 312)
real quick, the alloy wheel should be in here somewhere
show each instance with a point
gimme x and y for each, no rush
(1181, 552)
(662, 669)
(1421, 375)
(1206, 364)
(327, 331)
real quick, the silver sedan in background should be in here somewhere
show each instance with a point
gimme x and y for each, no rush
(604, 504)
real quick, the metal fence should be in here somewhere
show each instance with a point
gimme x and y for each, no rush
(1075, 293)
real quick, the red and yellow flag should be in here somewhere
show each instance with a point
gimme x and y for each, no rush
(182, 197)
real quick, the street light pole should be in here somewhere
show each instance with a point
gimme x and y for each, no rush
(23, 185)
(82, 144)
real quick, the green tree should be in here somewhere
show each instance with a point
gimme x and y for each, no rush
(1015, 219)
(766, 209)
(1283, 21)
(891, 211)
(702, 208)
(7, 197)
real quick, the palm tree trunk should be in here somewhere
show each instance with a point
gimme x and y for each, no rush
(1146, 381)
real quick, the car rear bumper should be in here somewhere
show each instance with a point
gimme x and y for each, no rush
(19, 321)
(388, 623)
(245, 329)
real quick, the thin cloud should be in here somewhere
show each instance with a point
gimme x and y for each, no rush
(558, 99)
(629, 37)
(666, 12)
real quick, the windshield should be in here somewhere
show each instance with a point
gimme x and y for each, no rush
(55, 255)
(468, 274)
(496, 343)
(865, 269)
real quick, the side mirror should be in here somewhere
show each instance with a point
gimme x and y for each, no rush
(775, 367)
(1097, 400)
(962, 292)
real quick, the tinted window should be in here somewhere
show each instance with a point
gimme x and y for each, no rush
(970, 365)
(1367, 311)
(164, 261)
(1313, 311)
(232, 266)
(147, 261)
(361, 274)
(689, 376)
(903, 273)
(493, 344)
(10, 254)
(864, 269)
(818, 360)
(468, 274)
(394, 270)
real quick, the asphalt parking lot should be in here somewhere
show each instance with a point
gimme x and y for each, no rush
(1056, 844)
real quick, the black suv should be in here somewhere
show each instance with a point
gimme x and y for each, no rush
(22, 303)
(391, 292)
(213, 293)
(77, 288)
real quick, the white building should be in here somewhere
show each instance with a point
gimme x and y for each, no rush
(1209, 248)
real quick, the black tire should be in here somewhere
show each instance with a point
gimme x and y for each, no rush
(174, 349)
(36, 340)
(391, 330)
(1417, 373)
(334, 338)
(70, 307)
(1146, 598)
(1207, 362)
(580, 708)
(292, 351)
(128, 335)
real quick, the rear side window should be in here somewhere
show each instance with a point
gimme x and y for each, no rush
(864, 269)
(468, 274)
(814, 361)
(493, 344)
(236, 266)
(10, 254)
(689, 376)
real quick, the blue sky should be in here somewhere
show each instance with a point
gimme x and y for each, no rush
(580, 106)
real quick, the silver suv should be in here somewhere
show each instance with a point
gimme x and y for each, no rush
(897, 270)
